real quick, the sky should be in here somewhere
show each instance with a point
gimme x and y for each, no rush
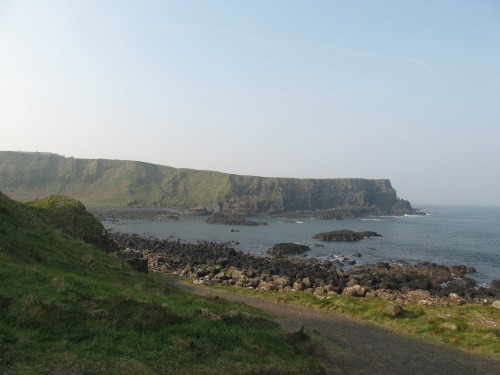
(404, 90)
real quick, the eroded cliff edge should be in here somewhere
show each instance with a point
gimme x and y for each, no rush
(119, 183)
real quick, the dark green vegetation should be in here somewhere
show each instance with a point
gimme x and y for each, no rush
(68, 307)
(26, 176)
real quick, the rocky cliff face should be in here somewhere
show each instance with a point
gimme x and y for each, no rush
(100, 182)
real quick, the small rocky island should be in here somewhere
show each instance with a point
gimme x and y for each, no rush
(284, 249)
(344, 235)
(233, 220)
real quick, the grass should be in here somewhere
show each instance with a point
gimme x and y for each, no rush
(476, 326)
(68, 307)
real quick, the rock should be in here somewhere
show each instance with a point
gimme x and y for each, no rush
(496, 304)
(455, 298)
(264, 285)
(319, 292)
(306, 282)
(459, 270)
(360, 291)
(298, 286)
(393, 310)
(448, 326)
(425, 283)
(281, 282)
(349, 291)
(495, 285)
(357, 254)
(344, 235)
(232, 220)
(282, 249)
(237, 274)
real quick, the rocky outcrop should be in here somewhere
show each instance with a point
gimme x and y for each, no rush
(208, 263)
(283, 249)
(344, 235)
(233, 220)
(118, 183)
(393, 310)
(71, 217)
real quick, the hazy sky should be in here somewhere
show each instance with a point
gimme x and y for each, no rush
(405, 90)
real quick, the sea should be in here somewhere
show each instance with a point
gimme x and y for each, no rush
(448, 235)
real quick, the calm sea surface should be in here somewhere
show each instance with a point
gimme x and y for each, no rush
(446, 235)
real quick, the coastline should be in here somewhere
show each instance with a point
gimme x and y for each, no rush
(206, 263)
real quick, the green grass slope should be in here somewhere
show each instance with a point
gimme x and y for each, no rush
(67, 307)
(27, 176)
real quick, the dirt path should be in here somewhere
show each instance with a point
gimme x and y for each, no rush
(350, 347)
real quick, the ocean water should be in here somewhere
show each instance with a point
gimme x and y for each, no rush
(448, 235)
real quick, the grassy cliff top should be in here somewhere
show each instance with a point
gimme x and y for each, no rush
(119, 183)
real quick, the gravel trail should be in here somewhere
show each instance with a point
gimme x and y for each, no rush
(351, 347)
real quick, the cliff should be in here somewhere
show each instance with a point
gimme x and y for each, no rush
(117, 183)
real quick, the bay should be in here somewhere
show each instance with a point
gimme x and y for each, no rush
(449, 235)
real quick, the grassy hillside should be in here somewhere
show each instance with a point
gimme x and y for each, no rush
(27, 176)
(68, 307)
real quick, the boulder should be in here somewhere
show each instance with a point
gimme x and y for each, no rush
(393, 310)
(283, 249)
(349, 291)
(495, 285)
(265, 286)
(360, 291)
(298, 286)
(306, 282)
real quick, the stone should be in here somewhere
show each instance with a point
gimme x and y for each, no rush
(298, 286)
(236, 274)
(458, 270)
(448, 326)
(360, 291)
(496, 304)
(282, 249)
(264, 285)
(349, 291)
(319, 291)
(455, 298)
(393, 310)
(495, 285)
(306, 282)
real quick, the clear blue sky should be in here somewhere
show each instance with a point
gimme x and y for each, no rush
(405, 90)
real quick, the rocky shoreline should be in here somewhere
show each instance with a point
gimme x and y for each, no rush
(208, 263)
